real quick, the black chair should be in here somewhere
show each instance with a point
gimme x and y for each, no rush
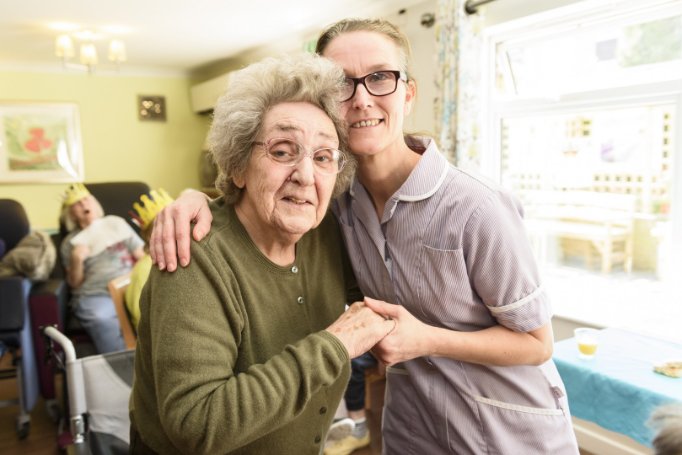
(15, 319)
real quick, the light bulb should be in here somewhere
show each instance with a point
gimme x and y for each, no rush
(64, 47)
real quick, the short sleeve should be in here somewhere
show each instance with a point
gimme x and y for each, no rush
(501, 264)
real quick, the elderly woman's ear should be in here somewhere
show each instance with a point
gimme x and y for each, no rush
(238, 181)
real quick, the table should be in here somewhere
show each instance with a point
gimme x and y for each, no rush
(618, 388)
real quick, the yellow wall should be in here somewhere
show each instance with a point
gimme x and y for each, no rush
(116, 145)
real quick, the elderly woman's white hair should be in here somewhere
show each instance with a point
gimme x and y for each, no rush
(252, 91)
(667, 421)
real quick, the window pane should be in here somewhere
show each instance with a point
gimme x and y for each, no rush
(652, 42)
(591, 58)
(596, 186)
(589, 123)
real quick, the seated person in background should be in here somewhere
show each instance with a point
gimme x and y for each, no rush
(97, 249)
(143, 215)
(247, 350)
(355, 404)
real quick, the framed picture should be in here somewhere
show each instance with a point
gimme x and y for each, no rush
(151, 107)
(40, 142)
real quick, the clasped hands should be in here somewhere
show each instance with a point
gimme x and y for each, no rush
(391, 333)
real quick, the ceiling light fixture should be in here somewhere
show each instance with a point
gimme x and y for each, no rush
(64, 49)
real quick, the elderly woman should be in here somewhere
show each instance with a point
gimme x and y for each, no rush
(259, 361)
(97, 249)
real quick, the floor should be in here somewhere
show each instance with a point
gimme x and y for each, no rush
(374, 419)
(42, 437)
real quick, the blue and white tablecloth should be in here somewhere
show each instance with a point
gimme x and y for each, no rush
(618, 388)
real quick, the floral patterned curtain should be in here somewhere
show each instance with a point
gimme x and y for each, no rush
(459, 83)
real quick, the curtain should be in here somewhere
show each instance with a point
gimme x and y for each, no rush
(459, 83)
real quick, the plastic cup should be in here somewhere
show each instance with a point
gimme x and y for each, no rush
(587, 340)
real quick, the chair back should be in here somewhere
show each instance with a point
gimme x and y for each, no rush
(116, 198)
(14, 226)
(117, 289)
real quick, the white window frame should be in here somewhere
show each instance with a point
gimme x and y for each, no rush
(566, 19)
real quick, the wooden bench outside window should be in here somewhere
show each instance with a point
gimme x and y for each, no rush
(593, 225)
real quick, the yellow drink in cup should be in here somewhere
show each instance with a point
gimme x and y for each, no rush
(587, 340)
(587, 349)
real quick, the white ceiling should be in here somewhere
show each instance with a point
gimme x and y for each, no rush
(171, 35)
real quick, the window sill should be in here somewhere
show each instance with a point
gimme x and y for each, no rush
(644, 305)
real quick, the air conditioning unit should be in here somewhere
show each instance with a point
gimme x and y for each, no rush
(204, 95)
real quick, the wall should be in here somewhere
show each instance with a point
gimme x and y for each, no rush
(506, 10)
(116, 145)
(423, 48)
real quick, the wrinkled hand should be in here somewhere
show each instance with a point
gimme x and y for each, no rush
(409, 340)
(170, 237)
(359, 328)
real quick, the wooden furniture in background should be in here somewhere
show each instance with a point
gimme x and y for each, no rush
(372, 375)
(117, 289)
(596, 226)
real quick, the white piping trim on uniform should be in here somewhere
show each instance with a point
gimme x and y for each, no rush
(429, 193)
(519, 408)
(517, 304)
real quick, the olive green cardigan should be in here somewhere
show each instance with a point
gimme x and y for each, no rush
(232, 355)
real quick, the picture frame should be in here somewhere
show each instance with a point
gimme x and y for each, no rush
(151, 107)
(40, 143)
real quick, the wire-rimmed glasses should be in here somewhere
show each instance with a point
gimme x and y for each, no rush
(327, 160)
(378, 83)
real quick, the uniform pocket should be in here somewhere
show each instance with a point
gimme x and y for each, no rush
(519, 408)
(445, 293)
(525, 429)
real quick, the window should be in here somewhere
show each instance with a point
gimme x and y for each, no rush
(585, 129)
(591, 57)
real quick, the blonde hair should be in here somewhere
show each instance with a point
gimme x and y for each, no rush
(252, 91)
(380, 26)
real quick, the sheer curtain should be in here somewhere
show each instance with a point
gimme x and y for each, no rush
(459, 83)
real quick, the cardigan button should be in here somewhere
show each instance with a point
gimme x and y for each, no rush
(294, 269)
(323, 410)
(318, 439)
(300, 300)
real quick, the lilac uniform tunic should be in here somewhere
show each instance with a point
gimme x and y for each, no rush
(452, 250)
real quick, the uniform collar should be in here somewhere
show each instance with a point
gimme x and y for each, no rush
(425, 179)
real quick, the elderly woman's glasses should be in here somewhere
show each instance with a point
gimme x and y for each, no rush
(379, 83)
(290, 153)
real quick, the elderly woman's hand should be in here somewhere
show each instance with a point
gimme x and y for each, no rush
(170, 238)
(410, 339)
(359, 328)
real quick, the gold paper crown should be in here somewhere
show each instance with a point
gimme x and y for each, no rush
(75, 193)
(145, 213)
